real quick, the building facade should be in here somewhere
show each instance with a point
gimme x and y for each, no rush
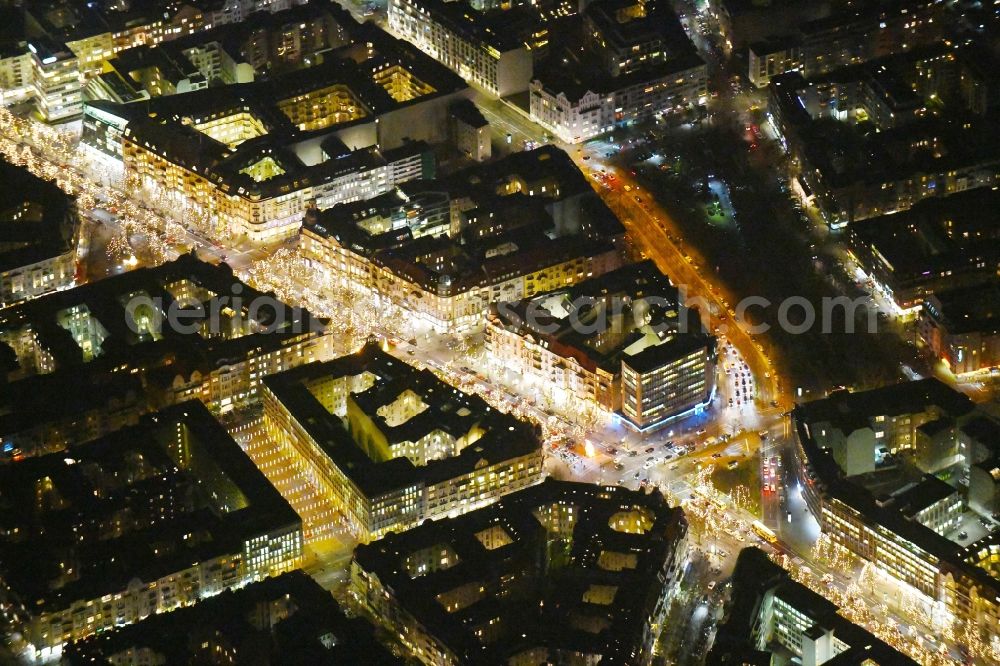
(903, 534)
(487, 59)
(392, 446)
(40, 225)
(614, 341)
(123, 563)
(488, 586)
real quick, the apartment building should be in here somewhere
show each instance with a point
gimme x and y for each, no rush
(619, 341)
(154, 517)
(553, 573)
(465, 41)
(392, 446)
(39, 227)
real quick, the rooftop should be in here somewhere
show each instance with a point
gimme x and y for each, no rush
(896, 400)
(406, 407)
(518, 224)
(484, 28)
(562, 567)
(37, 220)
(969, 309)
(935, 236)
(140, 503)
(224, 132)
(754, 578)
(853, 410)
(308, 627)
(131, 320)
(928, 129)
(630, 314)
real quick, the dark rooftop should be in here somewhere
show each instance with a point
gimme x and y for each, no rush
(97, 324)
(448, 409)
(545, 602)
(314, 630)
(936, 235)
(131, 505)
(638, 331)
(851, 410)
(756, 577)
(969, 309)
(37, 219)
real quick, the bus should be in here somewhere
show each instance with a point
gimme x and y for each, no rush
(761, 530)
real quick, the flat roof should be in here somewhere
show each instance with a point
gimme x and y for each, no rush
(948, 555)
(935, 235)
(973, 309)
(481, 28)
(852, 410)
(566, 320)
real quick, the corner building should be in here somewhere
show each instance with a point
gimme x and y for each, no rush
(392, 446)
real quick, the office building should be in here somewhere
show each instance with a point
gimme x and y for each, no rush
(558, 573)
(771, 616)
(620, 62)
(514, 228)
(287, 619)
(391, 446)
(620, 341)
(39, 228)
(142, 521)
(188, 329)
(478, 46)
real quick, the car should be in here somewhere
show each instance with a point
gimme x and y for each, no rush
(711, 585)
(651, 449)
(963, 535)
(716, 455)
